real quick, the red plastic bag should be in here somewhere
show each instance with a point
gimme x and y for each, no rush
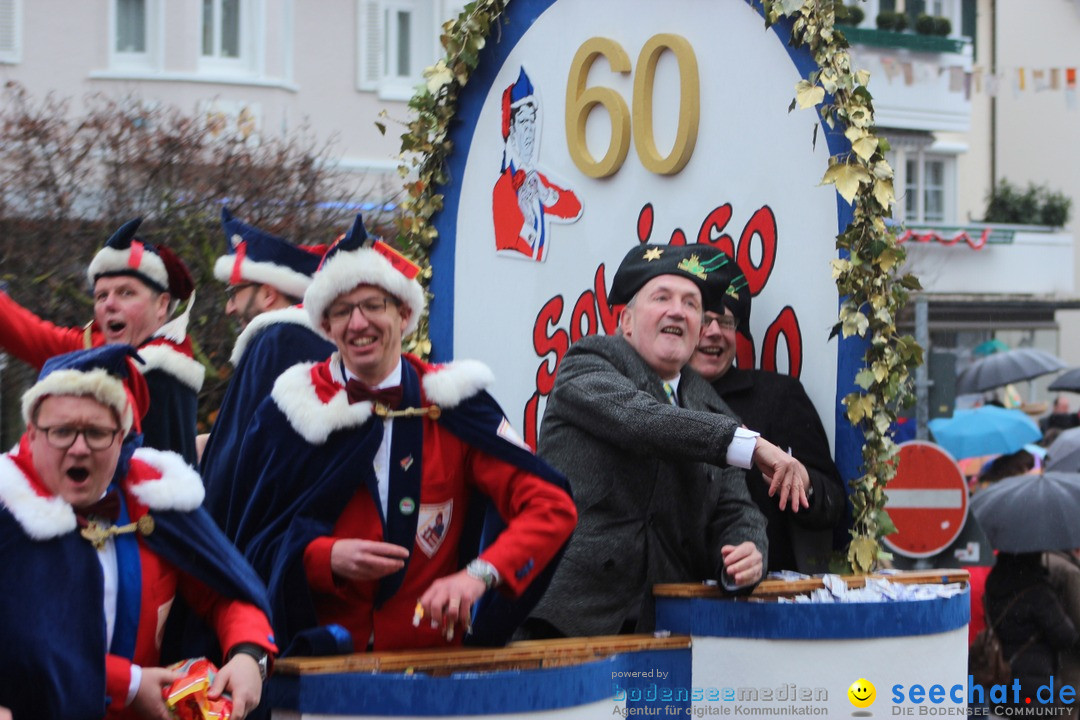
(186, 698)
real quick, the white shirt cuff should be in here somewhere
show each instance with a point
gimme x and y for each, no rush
(133, 686)
(740, 453)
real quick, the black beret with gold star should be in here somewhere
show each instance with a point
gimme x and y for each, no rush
(706, 266)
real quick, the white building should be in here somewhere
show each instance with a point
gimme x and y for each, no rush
(996, 99)
(335, 64)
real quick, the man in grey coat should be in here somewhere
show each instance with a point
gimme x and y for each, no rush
(653, 457)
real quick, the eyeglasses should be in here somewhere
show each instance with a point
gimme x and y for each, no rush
(724, 322)
(232, 291)
(63, 437)
(372, 308)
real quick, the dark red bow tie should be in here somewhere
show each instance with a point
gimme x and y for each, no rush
(359, 391)
(107, 508)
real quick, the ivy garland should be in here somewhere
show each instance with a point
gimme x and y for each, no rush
(867, 276)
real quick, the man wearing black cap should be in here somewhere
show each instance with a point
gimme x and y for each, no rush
(636, 435)
(777, 406)
(136, 288)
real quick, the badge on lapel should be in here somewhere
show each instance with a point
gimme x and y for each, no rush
(432, 525)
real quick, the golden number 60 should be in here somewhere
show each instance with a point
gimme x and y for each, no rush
(581, 100)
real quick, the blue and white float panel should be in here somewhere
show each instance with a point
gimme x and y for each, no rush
(757, 656)
(577, 679)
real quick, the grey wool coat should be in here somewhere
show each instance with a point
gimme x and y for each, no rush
(655, 499)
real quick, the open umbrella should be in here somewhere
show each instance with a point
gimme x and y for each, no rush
(1002, 368)
(984, 430)
(1068, 381)
(1064, 453)
(1030, 513)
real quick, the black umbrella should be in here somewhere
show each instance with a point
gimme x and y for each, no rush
(1064, 453)
(1031, 513)
(1006, 367)
(1068, 381)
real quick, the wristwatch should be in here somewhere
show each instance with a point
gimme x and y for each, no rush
(262, 658)
(483, 571)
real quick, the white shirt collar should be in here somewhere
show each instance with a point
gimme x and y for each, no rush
(394, 378)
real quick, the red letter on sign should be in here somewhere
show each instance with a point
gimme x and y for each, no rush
(786, 324)
(558, 342)
(762, 224)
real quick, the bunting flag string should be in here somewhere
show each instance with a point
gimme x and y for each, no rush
(976, 80)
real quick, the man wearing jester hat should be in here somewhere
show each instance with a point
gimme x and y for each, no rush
(137, 287)
(388, 496)
(102, 542)
(266, 277)
(524, 199)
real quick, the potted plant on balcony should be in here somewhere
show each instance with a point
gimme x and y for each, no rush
(1037, 205)
(852, 15)
(933, 25)
(889, 20)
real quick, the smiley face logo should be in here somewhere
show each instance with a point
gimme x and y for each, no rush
(862, 693)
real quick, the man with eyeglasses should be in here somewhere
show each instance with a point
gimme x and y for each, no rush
(102, 542)
(137, 287)
(380, 483)
(265, 276)
(776, 406)
(653, 457)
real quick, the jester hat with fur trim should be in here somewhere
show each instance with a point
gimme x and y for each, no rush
(155, 265)
(348, 265)
(254, 255)
(98, 373)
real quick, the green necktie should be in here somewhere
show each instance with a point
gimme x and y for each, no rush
(670, 393)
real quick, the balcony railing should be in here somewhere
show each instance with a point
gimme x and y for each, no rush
(905, 40)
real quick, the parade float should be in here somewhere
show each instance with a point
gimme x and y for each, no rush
(553, 136)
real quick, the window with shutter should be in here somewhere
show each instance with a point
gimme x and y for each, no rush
(135, 35)
(10, 31)
(396, 41)
(229, 37)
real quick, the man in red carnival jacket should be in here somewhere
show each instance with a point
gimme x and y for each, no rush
(370, 472)
(99, 540)
(136, 288)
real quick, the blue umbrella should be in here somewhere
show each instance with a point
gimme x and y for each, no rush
(984, 430)
(989, 348)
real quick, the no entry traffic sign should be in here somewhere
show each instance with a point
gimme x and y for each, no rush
(928, 500)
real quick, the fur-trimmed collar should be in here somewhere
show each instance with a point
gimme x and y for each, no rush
(158, 479)
(312, 395)
(166, 357)
(294, 314)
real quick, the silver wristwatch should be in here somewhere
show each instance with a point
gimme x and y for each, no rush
(483, 571)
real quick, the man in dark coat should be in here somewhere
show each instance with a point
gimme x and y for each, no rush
(266, 277)
(776, 406)
(653, 458)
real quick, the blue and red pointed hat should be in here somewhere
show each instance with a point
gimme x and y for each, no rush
(351, 262)
(155, 265)
(515, 95)
(98, 373)
(254, 255)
